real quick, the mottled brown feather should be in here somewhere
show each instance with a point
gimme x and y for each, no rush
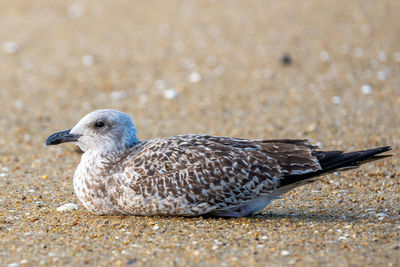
(218, 171)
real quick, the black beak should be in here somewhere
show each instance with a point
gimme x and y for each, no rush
(61, 137)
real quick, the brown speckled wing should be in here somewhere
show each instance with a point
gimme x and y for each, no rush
(215, 171)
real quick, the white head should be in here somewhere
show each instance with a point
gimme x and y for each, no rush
(101, 130)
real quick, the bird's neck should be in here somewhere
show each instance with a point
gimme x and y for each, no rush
(101, 157)
(109, 150)
(105, 157)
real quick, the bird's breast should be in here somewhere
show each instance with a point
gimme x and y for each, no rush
(90, 184)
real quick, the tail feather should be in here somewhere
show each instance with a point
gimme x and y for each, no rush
(331, 161)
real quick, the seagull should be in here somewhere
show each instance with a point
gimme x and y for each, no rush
(191, 175)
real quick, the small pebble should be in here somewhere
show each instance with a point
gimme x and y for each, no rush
(382, 215)
(18, 104)
(11, 47)
(337, 100)
(87, 60)
(366, 89)
(132, 261)
(324, 56)
(117, 95)
(143, 98)
(27, 137)
(285, 253)
(170, 94)
(76, 10)
(311, 127)
(286, 59)
(382, 56)
(382, 74)
(194, 77)
(189, 63)
(156, 227)
(67, 207)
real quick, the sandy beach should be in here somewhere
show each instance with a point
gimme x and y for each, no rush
(328, 71)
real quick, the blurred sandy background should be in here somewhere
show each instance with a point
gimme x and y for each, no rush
(201, 67)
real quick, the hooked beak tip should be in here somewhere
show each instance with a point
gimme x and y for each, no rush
(61, 137)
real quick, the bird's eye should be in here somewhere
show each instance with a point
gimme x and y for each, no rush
(99, 124)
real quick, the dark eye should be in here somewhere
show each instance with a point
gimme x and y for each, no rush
(99, 124)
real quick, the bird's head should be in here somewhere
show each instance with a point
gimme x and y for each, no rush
(102, 130)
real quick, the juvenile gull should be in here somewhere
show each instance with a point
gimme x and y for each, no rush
(190, 175)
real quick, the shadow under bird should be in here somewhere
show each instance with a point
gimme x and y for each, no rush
(190, 175)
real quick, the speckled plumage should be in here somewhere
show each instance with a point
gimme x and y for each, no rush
(190, 175)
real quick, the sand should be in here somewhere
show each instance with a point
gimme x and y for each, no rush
(323, 70)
